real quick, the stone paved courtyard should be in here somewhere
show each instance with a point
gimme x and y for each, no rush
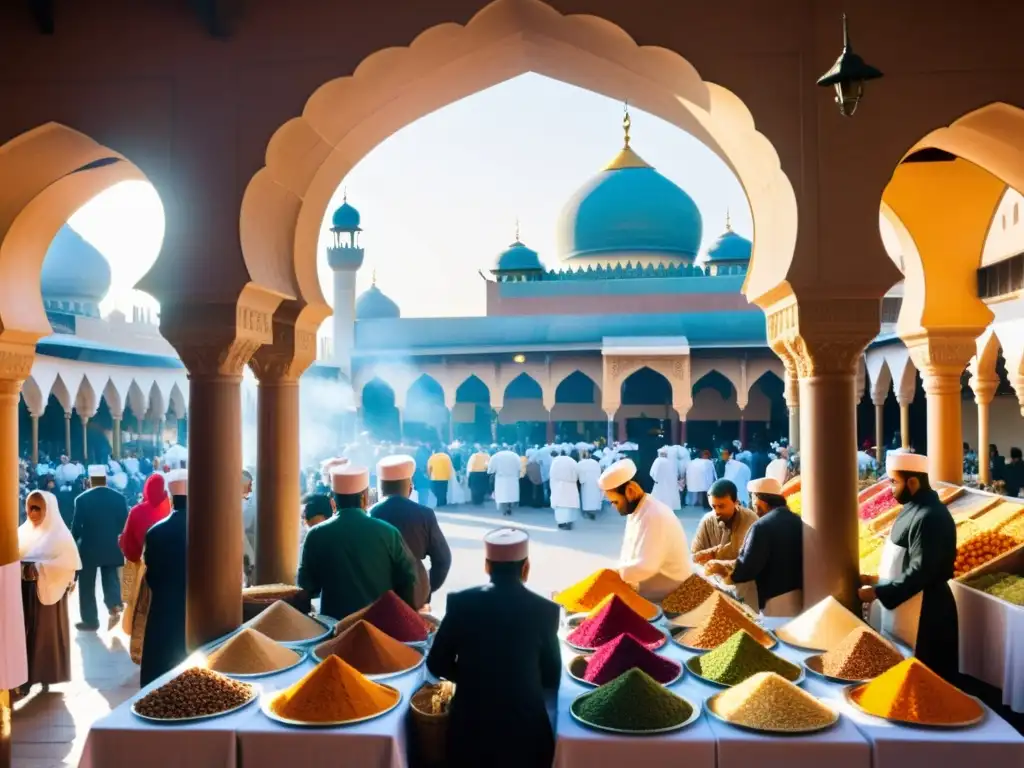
(50, 729)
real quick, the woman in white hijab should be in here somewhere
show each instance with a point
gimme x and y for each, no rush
(50, 558)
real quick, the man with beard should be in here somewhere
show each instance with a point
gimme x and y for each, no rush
(721, 532)
(912, 586)
(654, 559)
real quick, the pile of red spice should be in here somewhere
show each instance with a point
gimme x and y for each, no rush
(877, 504)
(392, 615)
(623, 654)
(615, 619)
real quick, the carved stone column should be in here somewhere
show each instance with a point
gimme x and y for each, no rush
(67, 434)
(879, 429)
(115, 437)
(215, 342)
(792, 396)
(15, 366)
(825, 338)
(494, 423)
(984, 388)
(941, 359)
(278, 368)
(35, 441)
(85, 438)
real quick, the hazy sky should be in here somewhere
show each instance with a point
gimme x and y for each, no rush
(440, 198)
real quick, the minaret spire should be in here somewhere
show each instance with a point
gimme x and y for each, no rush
(626, 124)
(728, 220)
(517, 229)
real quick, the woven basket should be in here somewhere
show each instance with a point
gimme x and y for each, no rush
(429, 731)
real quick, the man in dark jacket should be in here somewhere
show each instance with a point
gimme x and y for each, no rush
(772, 552)
(500, 626)
(163, 646)
(417, 524)
(100, 515)
(917, 564)
(352, 559)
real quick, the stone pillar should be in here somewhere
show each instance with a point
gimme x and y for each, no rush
(984, 387)
(85, 439)
(682, 430)
(161, 427)
(879, 431)
(743, 431)
(824, 338)
(67, 433)
(941, 361)
(401, 426)
(611, 427)
(35, 441)
(278, 492)
(496, 409)
(792, 395)
(551, 429)
(215, 342)
(905, 426)
(115, 437)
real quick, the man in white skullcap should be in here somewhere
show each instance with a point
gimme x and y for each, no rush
(352, 559)
(500, 723)
(417, 524)
(100, 515)
(654, 557)
(912, 586)
(772, 553)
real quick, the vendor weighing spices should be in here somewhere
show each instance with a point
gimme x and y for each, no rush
(654, 557)
(499, 644)
(912, 587)
(353, 559)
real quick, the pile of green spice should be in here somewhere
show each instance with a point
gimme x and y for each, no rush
(634, 701)
(738, 658)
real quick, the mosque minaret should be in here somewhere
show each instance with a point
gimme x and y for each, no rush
(345, 257)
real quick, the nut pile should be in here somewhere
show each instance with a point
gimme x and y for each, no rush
(862, 655)
(194, 693)
(688, 595)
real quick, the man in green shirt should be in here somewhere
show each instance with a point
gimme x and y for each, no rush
(351, 559)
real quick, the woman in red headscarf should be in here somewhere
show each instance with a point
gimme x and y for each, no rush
(154, 507)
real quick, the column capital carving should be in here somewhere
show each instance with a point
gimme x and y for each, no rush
(293, 348)
(219, 338)
(941, 358)
(822, 336)
(16, 360)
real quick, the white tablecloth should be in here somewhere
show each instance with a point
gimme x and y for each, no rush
(992, 642)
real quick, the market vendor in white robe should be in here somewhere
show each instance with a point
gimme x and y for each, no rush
(565, 492)
(505, 465)
(700, 474)
(665, 474)
(654, 559)
(588, 471)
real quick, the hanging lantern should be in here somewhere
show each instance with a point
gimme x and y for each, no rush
(848, 76)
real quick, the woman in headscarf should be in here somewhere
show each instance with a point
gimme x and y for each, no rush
(50, 559)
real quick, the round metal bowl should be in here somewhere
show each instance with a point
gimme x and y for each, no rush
(578, 664)
(197, 718)
(579, 648)
(693, 661)
(678, 632)
(711, 701)
(302, 653)
(850, 690)
(694, 716)
(382, 675)
(813, 665)
(423, 645)
(265, 708)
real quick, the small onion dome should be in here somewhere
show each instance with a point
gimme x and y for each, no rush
(73, 269)
(372, 304)
(345, 219)
(517, 258)
(729, 248)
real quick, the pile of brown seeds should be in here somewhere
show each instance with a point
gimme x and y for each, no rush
(862, 655)
(688, 595)
(724, 621)
(194, 693)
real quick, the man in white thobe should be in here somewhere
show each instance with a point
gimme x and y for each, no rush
(66, 473)
(588, 470)
(682, 462)
(700, 474)
(739, 473)
(565, 493)
(505, 466)
(654, 559)
(665, 474)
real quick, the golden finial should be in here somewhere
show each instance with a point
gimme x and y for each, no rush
(626, 123)
(344, 195)
(728, 220)
(517, 229)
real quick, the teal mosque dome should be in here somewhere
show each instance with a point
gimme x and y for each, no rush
(517, 258)
(345, 218)
(629, 212)
(729, 248)
(75, 276)
(373, 304)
